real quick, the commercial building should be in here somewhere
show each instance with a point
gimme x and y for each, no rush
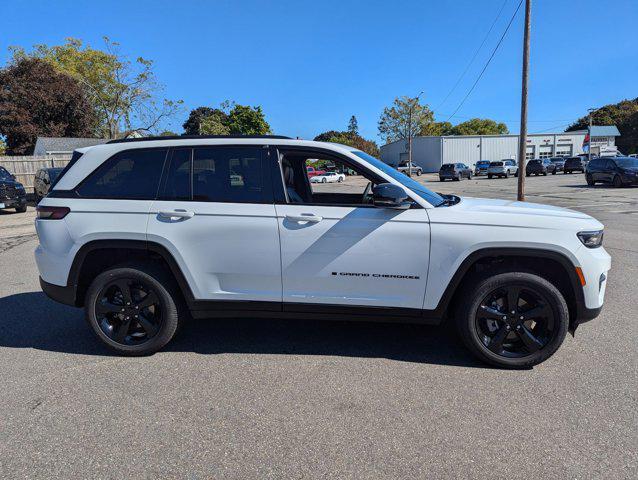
(431, 152)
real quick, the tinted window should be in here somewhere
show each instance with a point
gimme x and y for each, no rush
(627, 162)
(534, 162)
(595, 163)
(4, 174)
(178, 176)
(496, 164)
(447, 166)
(227, 174)
(132, 174)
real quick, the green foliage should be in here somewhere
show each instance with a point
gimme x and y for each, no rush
(437, 129)
(229, 119)
(124, 94)
(406, 117)
(353, 126)
(168, 133)
(346, 138)
(624, 115)
(3, 147)
(479, 126)
(37, 100)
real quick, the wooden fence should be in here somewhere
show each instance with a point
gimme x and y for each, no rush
(25, 167)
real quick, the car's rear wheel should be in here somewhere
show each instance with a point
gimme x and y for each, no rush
(133, 310)
(21, 209)
(489, 176)
(617, 181)
(507, 174)
(513, 320)
(418, 173)
(589, 179)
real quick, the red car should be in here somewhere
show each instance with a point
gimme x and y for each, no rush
(312, 172)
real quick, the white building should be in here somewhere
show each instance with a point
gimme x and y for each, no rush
(431, 152)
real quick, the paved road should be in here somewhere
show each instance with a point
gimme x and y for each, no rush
(298, 399)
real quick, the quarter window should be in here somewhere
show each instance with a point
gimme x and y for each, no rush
(132, 174)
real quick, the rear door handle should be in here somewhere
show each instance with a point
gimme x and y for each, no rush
(177, 214)
(304, 217)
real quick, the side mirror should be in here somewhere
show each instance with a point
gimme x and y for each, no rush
(388, 195)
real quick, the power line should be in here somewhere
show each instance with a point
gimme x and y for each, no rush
(498, 15)
(488, 61)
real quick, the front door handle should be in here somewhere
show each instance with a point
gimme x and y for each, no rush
(177, 214)
(304, 217)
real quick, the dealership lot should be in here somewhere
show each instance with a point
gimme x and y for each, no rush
(274, 398)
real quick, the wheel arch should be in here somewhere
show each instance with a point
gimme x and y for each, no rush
(550, 264)
(94, 256)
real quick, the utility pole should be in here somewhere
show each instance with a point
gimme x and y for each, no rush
(412, 102)
(591, 110)
(522, 140)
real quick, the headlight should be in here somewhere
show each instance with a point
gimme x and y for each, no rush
(591, 239)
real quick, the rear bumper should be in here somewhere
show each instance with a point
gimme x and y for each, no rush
(65, 295)
(13, 202)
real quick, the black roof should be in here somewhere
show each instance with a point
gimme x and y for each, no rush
(191, 137)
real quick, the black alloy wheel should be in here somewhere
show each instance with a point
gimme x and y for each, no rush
(134, 309)
(128, 311)
(514, 321)
(617, 181)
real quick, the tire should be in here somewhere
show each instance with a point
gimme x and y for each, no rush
(323, 180)
(340, 180)
(507, 174)
(161, 327)
(554, 172)
(441, 179)
(545, 337)
(469, 176)
(489, 175)
(21, 209)
(516, 174)
(617, 181)
(458, 178)
(418, 173)
(589, 179)
(527, 174)
(545, 173)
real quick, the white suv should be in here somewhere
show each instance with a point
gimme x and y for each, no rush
(144, 232)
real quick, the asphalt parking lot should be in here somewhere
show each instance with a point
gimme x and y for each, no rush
(247, 398)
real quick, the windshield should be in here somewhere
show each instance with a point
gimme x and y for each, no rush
(496, 164)
(534, 162)
(483, 162)
(627, 162)
(432, 198)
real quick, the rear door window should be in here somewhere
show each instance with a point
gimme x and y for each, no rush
(131, 174)
(228, 174)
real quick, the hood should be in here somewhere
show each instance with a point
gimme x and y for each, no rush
(508, 213)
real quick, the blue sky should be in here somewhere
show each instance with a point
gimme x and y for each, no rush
(311, 65)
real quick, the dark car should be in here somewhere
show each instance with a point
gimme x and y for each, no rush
(12, 194)
(540, 166)
(619, 171)
(559, 162)
(481, 167)
(454, 171)
(43, 180)
(574, 164)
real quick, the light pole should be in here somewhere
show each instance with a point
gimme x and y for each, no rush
(412, 102)
(522, 140)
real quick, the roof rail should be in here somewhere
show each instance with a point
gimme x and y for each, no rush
(191, 137)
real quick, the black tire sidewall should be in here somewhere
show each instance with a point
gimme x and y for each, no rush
(167, 303)
(480, 288)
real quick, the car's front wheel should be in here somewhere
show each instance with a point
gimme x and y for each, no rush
(589, 179)
(617, 181)
(513, 320)
(133, 310)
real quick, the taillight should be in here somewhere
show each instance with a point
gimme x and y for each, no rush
(52, 213)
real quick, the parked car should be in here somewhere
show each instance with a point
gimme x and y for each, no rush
(481, 167)
(502, 168)
(619, 171)
(574, 164)
(416, 170)
(139, 256)
(12, 193)
(328, 177)
(559, 162)
(312, 171)
(43, 180)
(454, 171)
(540, 166)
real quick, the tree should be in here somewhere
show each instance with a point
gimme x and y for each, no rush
(347, 138)
(624, 115)
(245, 120)
(229, 119)
(3, 147)
(406, 117)
(168, 133)
(437, 129)
(36, 100)
(353, 126)
(192, 125)
(479, 126)
(125, 95)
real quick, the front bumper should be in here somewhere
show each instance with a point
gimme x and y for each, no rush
(13, 202)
